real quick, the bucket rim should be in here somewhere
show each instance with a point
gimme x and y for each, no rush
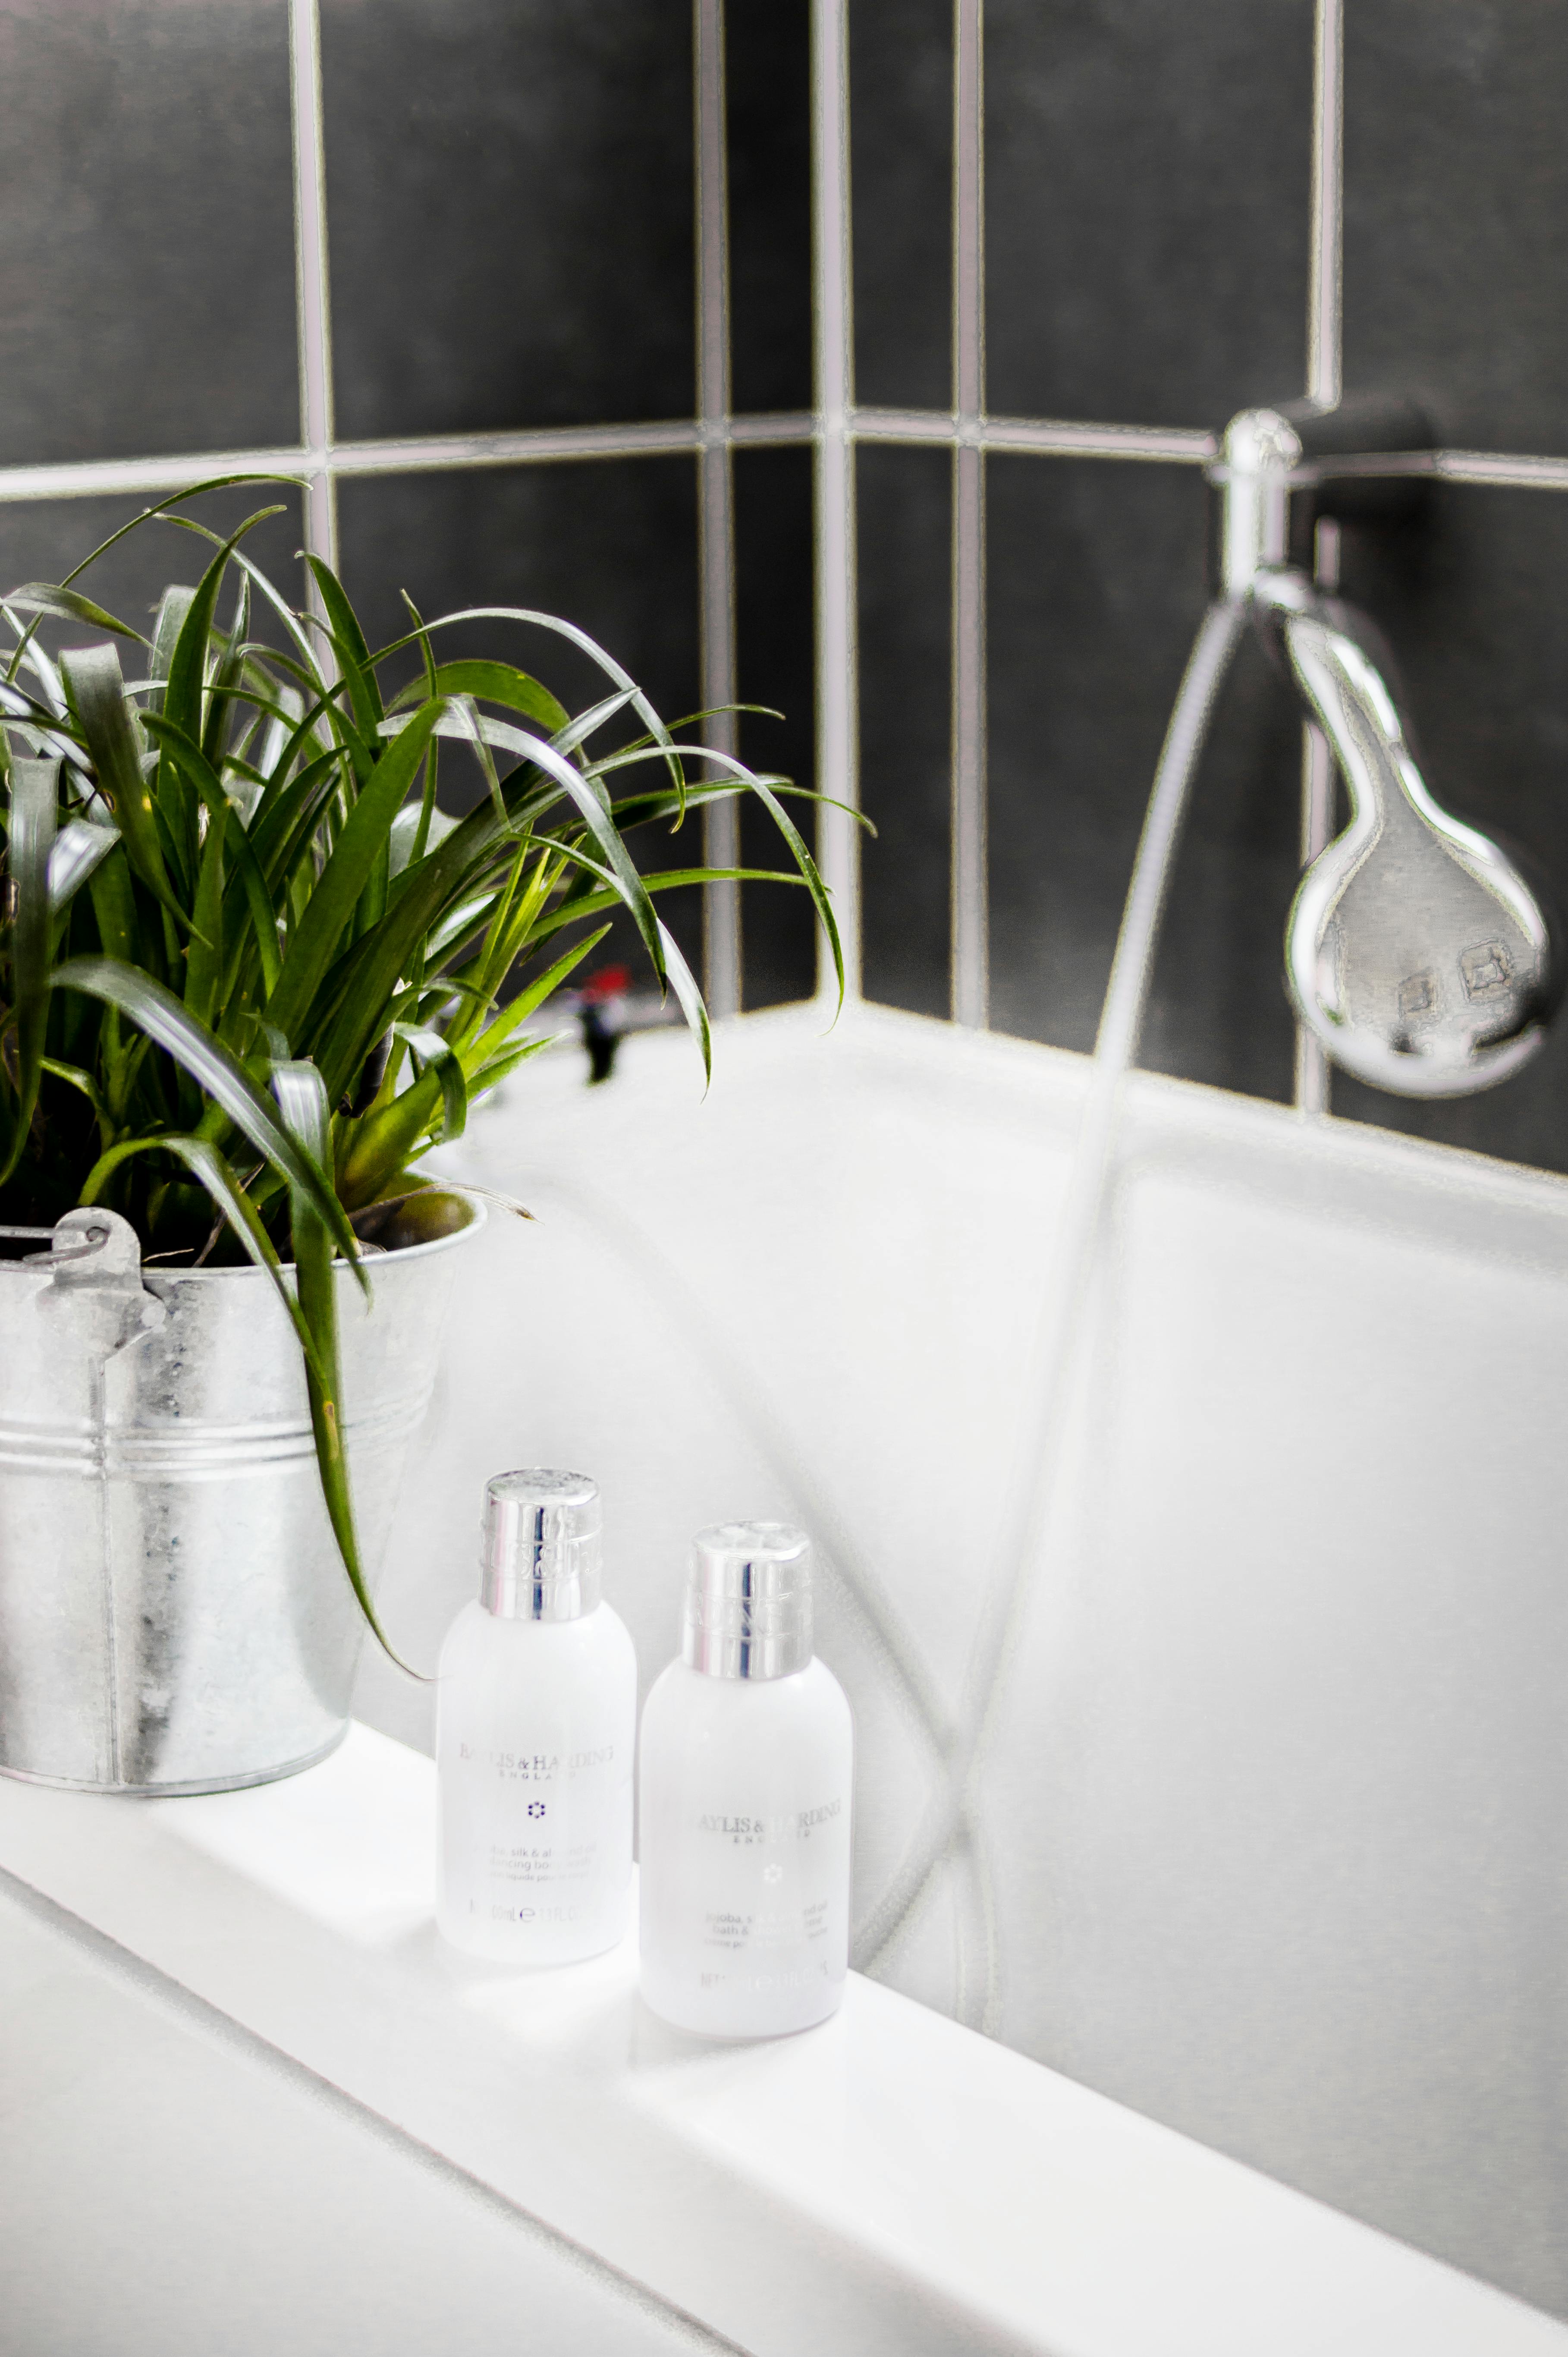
(154, 1273)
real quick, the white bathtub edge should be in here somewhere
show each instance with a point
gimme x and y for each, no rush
(893, 2182)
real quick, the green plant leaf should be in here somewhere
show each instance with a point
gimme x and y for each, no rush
(420, 911)
(224, 827)
(114, 905)
(349, 645)
(809, 875)
(156, 1011)
(79, 847)
(488, 683)
(280, 832)
(173, 607)
(571, 910)
(577, 638)
(464, 720)
(67, 605)
(226, 688)
(602, 827)
(184, 699)
(35, 790)
(338, 889)
(682, 979)
(490, 1041)
(693, 1004)
(403, 845)
(433, 1054)
(302, 1101)
(204, 956)
(97, 690)
(84, 1084)
(498, 1068)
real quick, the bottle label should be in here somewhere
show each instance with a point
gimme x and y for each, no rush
(760, 1833)
(530, 1833)
(764, 1905)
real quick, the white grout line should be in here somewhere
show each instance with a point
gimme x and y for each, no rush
(715, 503)
(543, 445)
(546, 445)
(837, 766)
(1324, 301)
(105, 478)
(782, 425)
(1050, 436)
(971, 950)
(1496, 468)
(528, 446)
(551, 444)
(313, 297)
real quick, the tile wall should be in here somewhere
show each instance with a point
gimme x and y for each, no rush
(1147, 263)
(511, 211)
(506, 362)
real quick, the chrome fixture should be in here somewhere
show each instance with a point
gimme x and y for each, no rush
(1415, 951)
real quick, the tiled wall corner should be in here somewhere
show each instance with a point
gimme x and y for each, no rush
(611, 543)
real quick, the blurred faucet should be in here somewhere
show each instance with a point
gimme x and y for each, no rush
(1415, 951)
(607, 1009)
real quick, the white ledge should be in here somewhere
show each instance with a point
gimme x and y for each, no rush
(890, 2183)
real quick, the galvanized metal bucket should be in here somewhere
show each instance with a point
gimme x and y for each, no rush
(173, 1613)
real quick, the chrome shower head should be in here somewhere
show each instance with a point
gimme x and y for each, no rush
(1415, 951)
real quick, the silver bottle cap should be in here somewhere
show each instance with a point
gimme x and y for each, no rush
(539, 1554)
(748, 1601)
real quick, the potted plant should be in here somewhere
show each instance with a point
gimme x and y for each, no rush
(249, 972)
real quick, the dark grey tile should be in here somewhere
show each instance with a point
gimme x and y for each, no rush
(1096, 586)
(609, 545)
(776, 651)
(1457, 213)
(1148, 167)
(1470, 594)
(769, 64)
(44, 540)
(147, 193)
(509, 201)
(1218, 1010)
(906, 755)
(901, 168)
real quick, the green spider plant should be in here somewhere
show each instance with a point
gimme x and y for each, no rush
(250, 970)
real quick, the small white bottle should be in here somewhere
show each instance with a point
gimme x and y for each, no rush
(747, 1760)
(536, 1718)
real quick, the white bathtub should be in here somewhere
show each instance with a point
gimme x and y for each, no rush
(1271, 1835)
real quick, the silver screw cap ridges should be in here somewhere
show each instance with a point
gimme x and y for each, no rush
(748, 1601)
(541, 1550)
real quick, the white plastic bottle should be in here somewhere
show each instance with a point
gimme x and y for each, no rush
(746, 1758)
(536, 1718)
